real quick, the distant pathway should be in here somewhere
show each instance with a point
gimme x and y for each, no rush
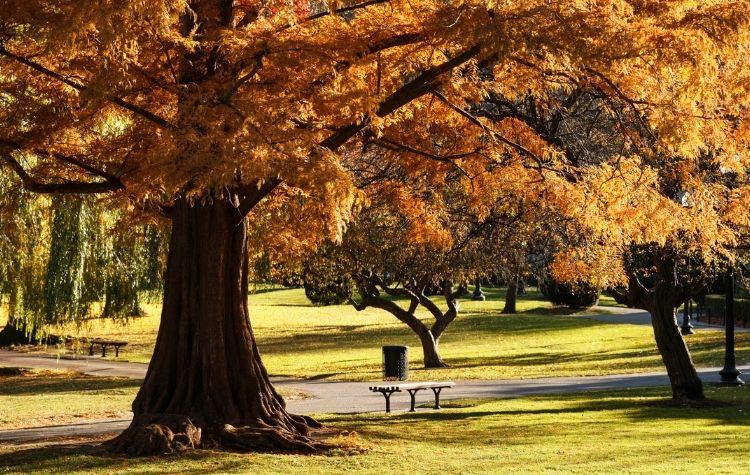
(642, 317)
(342, 397)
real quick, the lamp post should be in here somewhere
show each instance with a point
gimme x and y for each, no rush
(687, 327)
(730, 375)
(478, 294)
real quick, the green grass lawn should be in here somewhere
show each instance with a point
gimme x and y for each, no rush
(30, 398)
(597, 432)
(34, 398)
(339, 343)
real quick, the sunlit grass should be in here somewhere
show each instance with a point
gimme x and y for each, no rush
(302, 340)
(598, 432)
(37, 398)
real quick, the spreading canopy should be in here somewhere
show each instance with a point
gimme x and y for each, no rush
(166, 98)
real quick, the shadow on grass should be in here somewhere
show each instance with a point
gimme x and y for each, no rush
(510, 422)
(42, 383)
(91, 458)
(553, 357)
(369, 336)
(636, 405)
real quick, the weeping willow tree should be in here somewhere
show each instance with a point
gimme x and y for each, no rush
(23, 255)
(63, 296)
(134, 266)
(62, 261)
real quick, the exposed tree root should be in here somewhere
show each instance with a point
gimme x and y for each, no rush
(169, 434)
(268, 439)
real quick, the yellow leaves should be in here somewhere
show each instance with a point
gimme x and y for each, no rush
(425, 228)
(737, 210)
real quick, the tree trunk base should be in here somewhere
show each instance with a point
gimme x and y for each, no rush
(171, 433)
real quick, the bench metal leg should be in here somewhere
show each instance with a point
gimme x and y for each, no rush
(117, 351)
(437, 396)
(91, 350)
(104, 350)
(413, 394)
(387, 395)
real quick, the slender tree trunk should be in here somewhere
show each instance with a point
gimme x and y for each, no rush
(686, 384)
(511, 295)
(206, 385)
(432, 357)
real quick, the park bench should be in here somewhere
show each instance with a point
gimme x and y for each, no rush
(104, 344)
(387, 391)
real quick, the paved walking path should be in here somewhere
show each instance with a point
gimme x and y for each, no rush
(345, 397)
(327, 396)
(642, 317)
(341, 397)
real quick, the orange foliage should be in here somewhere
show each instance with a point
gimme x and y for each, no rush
(163, 98)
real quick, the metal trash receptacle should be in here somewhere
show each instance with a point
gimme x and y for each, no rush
(395, 363)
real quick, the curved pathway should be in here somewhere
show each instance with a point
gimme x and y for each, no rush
(340, 397)
(641, 317)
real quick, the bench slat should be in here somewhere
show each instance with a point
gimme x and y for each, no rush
(407, 386)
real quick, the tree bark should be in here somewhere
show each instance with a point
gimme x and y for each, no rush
(430, 343)
(511, 296)
(686, 384)
(206, 386)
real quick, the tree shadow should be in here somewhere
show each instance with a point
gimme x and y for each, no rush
(45, 383)
(552, 357)
(637, 405)
(369, 336)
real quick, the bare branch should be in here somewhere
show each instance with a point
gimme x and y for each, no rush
(474, 120)
(389, 144)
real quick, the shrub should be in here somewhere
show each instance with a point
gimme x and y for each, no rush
(578, 296)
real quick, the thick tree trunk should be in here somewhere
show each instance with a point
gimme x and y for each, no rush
(510, 296)
(206, 385)
(686, 384)
(432, 357)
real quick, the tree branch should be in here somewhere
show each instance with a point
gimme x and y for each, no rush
(389, 144)
(417, 87)
(451, 298)
(474, 120)
(67, 187)
(253, 194)
(81, 88)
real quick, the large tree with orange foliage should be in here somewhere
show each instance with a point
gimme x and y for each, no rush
(199, 109)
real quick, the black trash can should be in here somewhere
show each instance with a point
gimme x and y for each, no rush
(395, 363)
